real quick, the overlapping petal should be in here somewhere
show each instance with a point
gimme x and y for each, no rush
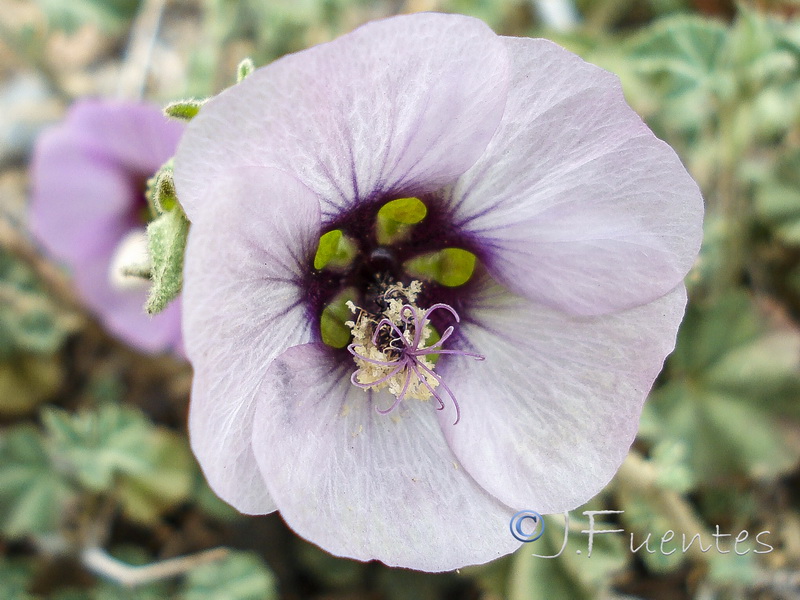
(364, 485)
(575, 202)
(243, 305)
(397, 107)
(556, 404)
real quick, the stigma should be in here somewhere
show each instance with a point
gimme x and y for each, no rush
(395, 349)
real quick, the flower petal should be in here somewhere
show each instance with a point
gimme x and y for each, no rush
(578, 204)
(365, 485)
(134, 135)
(242, 307)
(81, 205)
(548, 417)
(123, 310)
(400, 106)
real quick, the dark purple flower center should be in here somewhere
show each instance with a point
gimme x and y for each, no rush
(368, 286)
(376, 265)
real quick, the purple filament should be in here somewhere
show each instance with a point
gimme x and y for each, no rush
(410, 354)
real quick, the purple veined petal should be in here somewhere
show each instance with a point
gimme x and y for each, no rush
(577, 204)
(134, 135)
(365, 485)
(242, 306)
(399, 106)
(556, 403)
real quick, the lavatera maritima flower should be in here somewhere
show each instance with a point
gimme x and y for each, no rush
(88, 209)
(505, 241)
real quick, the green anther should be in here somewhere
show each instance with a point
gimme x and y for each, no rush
(395, 219)
(450, 267)
(433, 337)
(334, 316)
(335, 251)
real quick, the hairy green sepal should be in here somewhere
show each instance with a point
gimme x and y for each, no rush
(184, 110)
(166, 241)
(244, 69)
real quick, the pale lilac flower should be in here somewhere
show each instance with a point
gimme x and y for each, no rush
(88, 209)
(585, 224)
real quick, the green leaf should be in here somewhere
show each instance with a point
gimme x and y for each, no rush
(27, 380)
(573, 575)
(207, 501)
(766, 371)
(240, 576)
(400, 584)
(30, 322)
(684, 50)
(777, 198)
(450, 267)
(96, 447)
(644, 519)
(709, 331)
(735, 569)
(15, 579)
(167, 482)
(729, 378)
(109, 15)
(167, 236)
(32, 495)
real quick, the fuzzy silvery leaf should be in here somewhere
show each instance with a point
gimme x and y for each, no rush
(97, 447)
(729, 368)
(32, 496)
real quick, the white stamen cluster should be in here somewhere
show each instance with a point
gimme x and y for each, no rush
(367, 347)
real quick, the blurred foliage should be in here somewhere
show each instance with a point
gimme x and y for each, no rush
(109, 15)
(32, 329)
(238, 577)
(93, 449)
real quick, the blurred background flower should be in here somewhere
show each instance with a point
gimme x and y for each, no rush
(93, 450)
(89, 210)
